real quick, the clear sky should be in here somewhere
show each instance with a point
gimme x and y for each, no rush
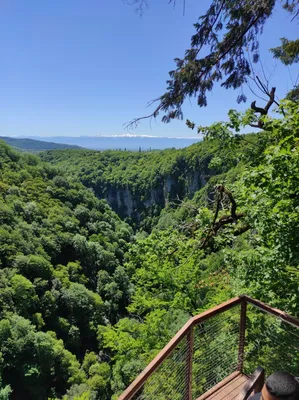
(75, 67)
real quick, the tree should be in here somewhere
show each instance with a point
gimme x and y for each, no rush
(268, 193)
(84, 309)
(35, 364)
(34, 266)
(24, 294)
(288, 53)
(133, 343)
(223, 50)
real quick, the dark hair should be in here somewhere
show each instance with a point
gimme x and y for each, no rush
(283, 386)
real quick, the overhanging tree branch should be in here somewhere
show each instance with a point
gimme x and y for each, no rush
(222, 33)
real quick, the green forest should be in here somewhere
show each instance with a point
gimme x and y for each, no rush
(105, 255)
(139, 185)
(87, 300)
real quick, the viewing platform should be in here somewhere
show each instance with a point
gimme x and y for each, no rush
(225, 353)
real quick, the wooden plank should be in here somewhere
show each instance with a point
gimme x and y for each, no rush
(228, 389)
(233, 391)
(217, 387)
(273, 311)
(156, 362)
(254, 384)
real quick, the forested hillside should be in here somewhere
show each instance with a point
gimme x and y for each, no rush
(105, 255)
(85, 304)
(139, 185)
(205, 251)
(34, 146)
(61, 256)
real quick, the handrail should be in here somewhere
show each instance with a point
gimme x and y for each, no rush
(218, 309)
(273, 311)
(157, 361)
(133, 388)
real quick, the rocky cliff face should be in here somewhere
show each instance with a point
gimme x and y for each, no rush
(139, 185)
(171, 187)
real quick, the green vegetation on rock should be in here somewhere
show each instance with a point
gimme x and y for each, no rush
(139, 185)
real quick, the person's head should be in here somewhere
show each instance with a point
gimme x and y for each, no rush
(281, 386)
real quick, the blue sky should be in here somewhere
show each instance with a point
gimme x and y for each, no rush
(74, 67)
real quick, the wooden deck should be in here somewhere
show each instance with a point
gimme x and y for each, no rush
(228, 389)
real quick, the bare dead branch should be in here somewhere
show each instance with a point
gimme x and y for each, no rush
(271, 100)
(265, 78)
(241, 230)
(223, 189)
(140, 5)
(256, 126)
(270, 94)
(263, 86)
(253, 92)
(184, 204)
(134, 123)
(225, 219)
(260, 110)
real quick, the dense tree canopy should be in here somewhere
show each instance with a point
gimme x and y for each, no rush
(87, 300)
(57, 241)
(175, 276)
(85, 305)
(139, 185)
(192, 259)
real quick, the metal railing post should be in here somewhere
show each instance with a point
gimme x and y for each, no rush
(190, 343)
(242, 335)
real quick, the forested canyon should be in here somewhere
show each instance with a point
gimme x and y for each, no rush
(88, 299)
(104, 255)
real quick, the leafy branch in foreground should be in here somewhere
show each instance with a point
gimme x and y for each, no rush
(223, 48)
(288, 52)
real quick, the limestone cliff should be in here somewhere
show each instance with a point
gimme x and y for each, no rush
(129, 202)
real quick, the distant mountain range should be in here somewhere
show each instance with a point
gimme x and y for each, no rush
(122, 142)
(35, 145)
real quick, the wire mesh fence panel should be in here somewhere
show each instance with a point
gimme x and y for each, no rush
(270, 343)
(170, 380)
(227, 342)
(215, 351)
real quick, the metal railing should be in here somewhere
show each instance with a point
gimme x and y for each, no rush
(235, 336)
